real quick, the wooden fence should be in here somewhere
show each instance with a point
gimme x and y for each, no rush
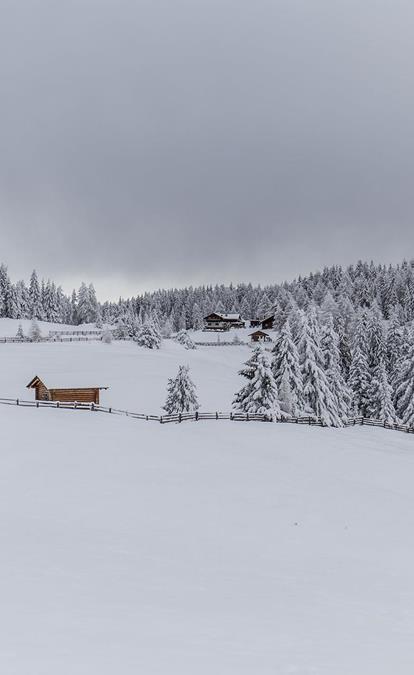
(219, 344)
(199, 416)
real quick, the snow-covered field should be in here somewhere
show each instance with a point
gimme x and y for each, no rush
(137, 377)
(8, 327)
(207, 547)
(130, 547)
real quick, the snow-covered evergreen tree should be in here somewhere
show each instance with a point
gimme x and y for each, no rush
(287, 373)
(106, 336)
(197, 317)
(35, 297)
(360, 374)
(404, 382)
(148, 336)
(332, 366)
(381, 405)
(316, 392)
(181, 393)
(20, 334)
(35, 333)
(260, 394)
(184, 339)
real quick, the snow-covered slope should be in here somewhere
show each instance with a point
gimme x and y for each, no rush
(9, 327)
(130, 547)
(137, 377)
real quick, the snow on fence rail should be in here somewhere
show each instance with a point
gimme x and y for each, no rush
(197, 416)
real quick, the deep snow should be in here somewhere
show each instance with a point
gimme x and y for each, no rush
(227, 548)
(137, 377)
(207, 547)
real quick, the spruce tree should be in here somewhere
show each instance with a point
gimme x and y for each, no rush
(360, 374)
(35, 297)
(317, 395)
(20, 334)
(404, 382)
(35, 333)
(259, 395)
(184, 339)
(287, 373)
(148, 336)
(181, 393)
(332, 366)
(381, 406)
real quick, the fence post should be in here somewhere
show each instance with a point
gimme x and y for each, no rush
(247, 417)
(179, 417)
(161, 419)
(37, 404)
(17, 401)
(196, 415)
(75, 404)
(57, 404)
(216, 415)
(362, 421)
(231, 416)
(92, 406)
(110, 410)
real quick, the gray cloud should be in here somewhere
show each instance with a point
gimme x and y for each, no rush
(150, 143)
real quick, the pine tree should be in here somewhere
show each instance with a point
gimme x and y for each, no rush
(259, 395)
(394, 344)
(359, 374)
(287, 374)
(404, 382)
(107, 336)
(381, 406)
(332, 366)
(197, 317)
(149, 336)
(184, 339)
(35, 297)
(376, 352)
(20, 334)
(317, 395)
(181, 393)
(35, 332)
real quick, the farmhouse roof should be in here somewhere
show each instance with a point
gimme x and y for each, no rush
(230, 317)
(64, 381)
(259, 332)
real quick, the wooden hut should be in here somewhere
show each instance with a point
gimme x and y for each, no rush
(268, 322)
(260, 336)
(64, 390)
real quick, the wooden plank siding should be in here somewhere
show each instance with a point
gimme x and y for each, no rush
(64, 394)
(79, 395)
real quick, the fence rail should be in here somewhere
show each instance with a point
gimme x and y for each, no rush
(198, 416)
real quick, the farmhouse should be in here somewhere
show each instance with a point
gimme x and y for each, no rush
(260, 336)
(218, 321)
(64, 390)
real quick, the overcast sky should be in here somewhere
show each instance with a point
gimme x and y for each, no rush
(155, 143)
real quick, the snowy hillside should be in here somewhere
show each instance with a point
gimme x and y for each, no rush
(9, 327)
(136, 377)
(130, 547)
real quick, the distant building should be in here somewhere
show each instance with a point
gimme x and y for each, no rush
(268, 322)
(54, 391)
(218, 321)
(260, 336)
(254, 323)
